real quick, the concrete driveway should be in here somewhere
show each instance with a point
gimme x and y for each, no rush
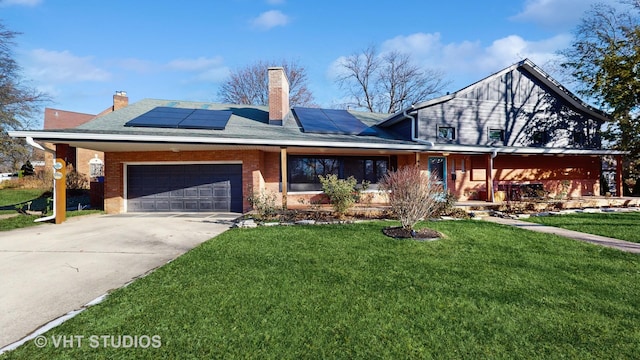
(49, 270)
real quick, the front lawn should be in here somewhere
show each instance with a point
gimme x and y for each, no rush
(10, 197)
(22, 221)
(348, 291)
(619, 225)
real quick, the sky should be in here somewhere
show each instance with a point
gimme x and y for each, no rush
(82, 52)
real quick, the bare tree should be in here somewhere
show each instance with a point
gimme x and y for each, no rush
(387, 82)
(250, 85)
(18, 104)
(413, 195)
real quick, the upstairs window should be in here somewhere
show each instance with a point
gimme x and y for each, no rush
(579, 138)
(446, 133)
(496, 135)
(540, 138)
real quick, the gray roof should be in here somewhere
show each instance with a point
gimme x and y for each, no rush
(248, 126)
(246, 121)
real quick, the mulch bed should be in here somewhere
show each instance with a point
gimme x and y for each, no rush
(421, 234)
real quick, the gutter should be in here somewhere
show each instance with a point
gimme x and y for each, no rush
(414, 138)
(166, 139)
(31, 142)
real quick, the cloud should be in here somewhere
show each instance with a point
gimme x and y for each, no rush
(205, 69)
(47, 66)
(555, 13)
(195, 64)
(270, 19)
(468, 61)
(31, 3)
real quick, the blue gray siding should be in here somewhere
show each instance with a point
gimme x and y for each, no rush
(515, 102)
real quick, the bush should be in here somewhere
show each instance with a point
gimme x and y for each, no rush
(413, 195)
(342, 193)
(264, 204)
(76, 180)
(447, 204)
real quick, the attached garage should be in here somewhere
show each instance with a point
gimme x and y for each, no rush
(184, 188)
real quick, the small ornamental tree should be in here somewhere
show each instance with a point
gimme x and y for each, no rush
(413, 195)
(342, 193)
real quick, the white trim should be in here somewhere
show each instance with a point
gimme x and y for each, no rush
(125, 168)
(125, 175)
(425, 147)
(231, 162)
(315, 192)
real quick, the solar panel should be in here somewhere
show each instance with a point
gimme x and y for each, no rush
(330, 121)
(346, 122)
(206, 119)
(316, 121)
(170, 117)
(160, 117)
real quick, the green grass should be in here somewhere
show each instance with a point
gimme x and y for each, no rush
(18, 222)
(23, 221)
(622, 225)
(17, 196)
(349, 292)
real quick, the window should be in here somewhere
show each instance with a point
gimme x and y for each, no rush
(496, 135)
(540, 138)
(579, 138)
(446, 133)
(304, 170)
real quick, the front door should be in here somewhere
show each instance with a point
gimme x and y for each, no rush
(438, 168)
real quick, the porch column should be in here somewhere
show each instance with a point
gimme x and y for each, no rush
(60, 175)
(418, 159)
(283, 176)
(619, 187)
(489, 178)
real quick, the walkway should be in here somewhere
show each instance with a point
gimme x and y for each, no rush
(593, 239)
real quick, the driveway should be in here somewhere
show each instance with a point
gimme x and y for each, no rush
(49, 270)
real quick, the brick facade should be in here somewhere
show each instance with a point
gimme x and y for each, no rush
(252, 165)
(261, 172)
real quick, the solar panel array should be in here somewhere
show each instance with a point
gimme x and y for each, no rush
(180, 118)
(329, 121)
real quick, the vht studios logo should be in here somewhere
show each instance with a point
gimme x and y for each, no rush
(100, 341)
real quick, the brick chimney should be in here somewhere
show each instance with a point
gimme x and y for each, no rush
(120, 100)
(278, 95)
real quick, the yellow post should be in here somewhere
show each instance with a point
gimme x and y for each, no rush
(60, 174)
(283, 174)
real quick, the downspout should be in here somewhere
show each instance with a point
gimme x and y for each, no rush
(31, 142)
(413, 128)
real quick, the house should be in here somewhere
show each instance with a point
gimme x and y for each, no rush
(85, 161)
(516, 133)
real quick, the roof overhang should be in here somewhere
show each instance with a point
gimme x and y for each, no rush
(132, 143)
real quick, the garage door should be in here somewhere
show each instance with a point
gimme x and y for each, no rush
(186, 188)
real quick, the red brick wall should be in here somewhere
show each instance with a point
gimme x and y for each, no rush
(114, 170)
(583, 172)
(261, 172)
